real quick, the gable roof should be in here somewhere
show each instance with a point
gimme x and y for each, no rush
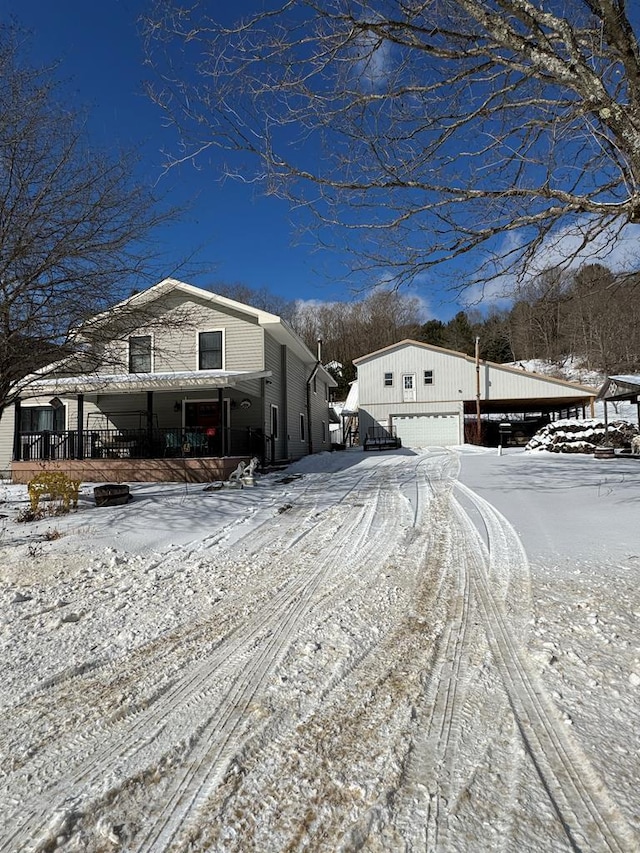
(278, 328)
(625, 387)
(507, 368)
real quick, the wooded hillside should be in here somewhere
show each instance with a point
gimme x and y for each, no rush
(592, 314)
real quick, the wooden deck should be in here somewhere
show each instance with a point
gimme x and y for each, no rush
(168, 470)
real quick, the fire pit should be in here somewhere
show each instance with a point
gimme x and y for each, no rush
(111, 494)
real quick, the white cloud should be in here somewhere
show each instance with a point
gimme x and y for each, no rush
(617, 247)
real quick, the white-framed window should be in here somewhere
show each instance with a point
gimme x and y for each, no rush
(428, 377)
(388, 380)
(140, 350)
(302, 427)
(275, 424)
(210, 350)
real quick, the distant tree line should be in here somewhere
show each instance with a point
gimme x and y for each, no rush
(592, 314)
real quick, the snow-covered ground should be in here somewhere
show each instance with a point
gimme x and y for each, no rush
(390, 651)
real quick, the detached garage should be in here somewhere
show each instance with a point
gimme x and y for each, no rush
(429, 396)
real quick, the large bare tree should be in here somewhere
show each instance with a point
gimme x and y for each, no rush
(75, 225)
(420, 131)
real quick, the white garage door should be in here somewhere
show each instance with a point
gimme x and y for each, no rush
(427, 430)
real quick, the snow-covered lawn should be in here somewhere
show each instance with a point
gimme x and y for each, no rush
(393, 651)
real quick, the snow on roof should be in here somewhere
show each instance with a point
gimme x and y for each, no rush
(351, 403)
(135, 382)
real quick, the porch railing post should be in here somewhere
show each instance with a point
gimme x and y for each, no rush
(80, 441)
(45, 447)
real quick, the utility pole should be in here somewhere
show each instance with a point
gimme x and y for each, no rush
(478, 419)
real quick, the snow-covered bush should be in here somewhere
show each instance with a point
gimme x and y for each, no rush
(573, 436)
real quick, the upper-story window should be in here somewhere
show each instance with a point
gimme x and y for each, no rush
(428, 377)
(210, 351)
(140, 354)
(388, 380)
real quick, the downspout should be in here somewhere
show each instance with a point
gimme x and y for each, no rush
(313, 375)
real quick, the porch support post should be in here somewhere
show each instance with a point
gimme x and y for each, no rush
(284, 391)
(80, 441)
(150, 420)
(222, 426)
(17, 417)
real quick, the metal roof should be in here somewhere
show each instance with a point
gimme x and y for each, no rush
(124, 383)
(621, 387)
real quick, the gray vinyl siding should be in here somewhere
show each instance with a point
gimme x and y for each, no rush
(274, 393)
(176, 339)
(297, 373)
(320, 416)
(6, 441)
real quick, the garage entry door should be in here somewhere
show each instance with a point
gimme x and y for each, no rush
(427, 430)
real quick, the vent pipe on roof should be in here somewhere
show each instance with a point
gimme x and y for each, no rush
(319, 350)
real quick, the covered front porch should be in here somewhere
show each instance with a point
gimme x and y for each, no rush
(190, 425)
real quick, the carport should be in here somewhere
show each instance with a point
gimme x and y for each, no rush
(526, 416)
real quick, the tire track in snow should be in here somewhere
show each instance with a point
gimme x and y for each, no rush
(306, 505)
(192, 793)
(141, 731)
(422, 815)
(590, 818)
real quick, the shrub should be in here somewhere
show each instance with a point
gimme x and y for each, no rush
(61, 490)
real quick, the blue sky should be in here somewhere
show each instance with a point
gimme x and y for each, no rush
(230, 233)
(236, 234)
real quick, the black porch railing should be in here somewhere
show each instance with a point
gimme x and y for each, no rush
(381, 438)
(141, 444)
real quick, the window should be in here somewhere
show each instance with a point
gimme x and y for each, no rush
(140, 354)
(40, 418)
(388, 380)
(302, 432)
(210, 351)
(428, 377)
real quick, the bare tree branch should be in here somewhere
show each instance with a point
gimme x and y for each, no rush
(75, 226)
(418, 132)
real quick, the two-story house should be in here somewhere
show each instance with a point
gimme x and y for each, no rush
(187, 383)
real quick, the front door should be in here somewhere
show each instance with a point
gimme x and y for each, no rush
(202, 418)
(408, 388)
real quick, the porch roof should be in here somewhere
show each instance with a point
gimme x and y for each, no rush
(124, 383)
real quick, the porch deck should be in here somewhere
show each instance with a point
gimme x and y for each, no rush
(168, 470)
(165, 455)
